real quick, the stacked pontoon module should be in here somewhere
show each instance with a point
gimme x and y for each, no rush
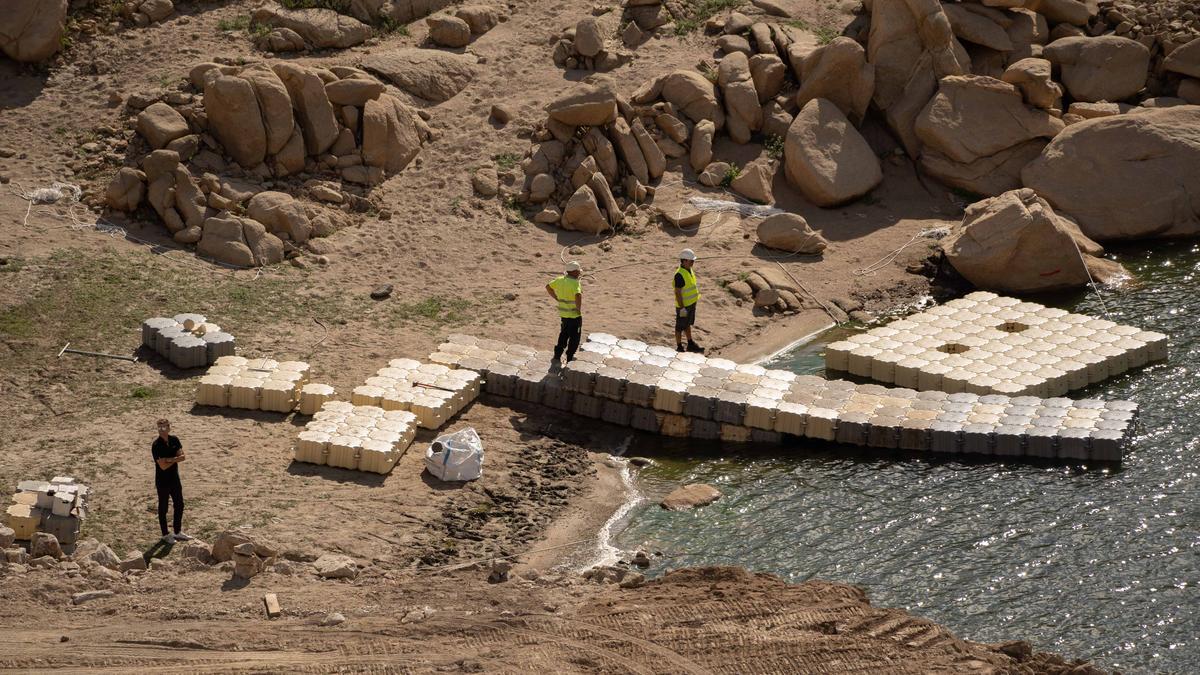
(433, 392)
(55, 507)
(187, 340)
(359, 437)
(657, 389)
(989, 344)
(253, 384)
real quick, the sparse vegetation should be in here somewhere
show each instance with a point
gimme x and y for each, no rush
(826, 35)
(386, 25)
(238, 23)
(506, 160)
(342, 6)
(435, 310)
(731, 174)
(143, 393)
(774, 146)
(702, 11)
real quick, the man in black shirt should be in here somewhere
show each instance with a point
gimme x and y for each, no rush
(168, 453)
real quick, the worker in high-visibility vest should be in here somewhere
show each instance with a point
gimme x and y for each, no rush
(687, 292)
(568, 295)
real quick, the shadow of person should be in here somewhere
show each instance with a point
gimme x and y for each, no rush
(159, 549)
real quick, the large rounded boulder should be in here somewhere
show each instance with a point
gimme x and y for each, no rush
(1125, 176)
(31, 30)
(1016, 243)
(826, 158)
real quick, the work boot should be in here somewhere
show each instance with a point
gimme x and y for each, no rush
(693, 347)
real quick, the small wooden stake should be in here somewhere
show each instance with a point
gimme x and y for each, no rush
(272, 603)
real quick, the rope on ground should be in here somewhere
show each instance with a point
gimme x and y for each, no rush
(931, 233)
(819, 301)
(1091, 281)
(73, 194)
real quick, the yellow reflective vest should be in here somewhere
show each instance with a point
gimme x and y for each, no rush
(566, 289)
(690, 291)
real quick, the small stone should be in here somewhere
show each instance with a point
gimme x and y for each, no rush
(80, 598)
(641, 559)
(510, 296)
(501, 114)
(499, 572)
(690, 496)
(333, 566)
(382, 292)
(333, 619)
(633, 580)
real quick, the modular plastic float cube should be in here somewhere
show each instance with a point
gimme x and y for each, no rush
(852, 428)
(705, 430)
(587, 406)
(645, 419)
(615, 412)
(314, 395)
(760, 413)
(639, 389)
(669, 395)
(312, 447)
(700, 402)
(735, 433)
(730, 407)
(344, 451)
(675, 426)
(24, 520)
(791, 418)
(821, 423)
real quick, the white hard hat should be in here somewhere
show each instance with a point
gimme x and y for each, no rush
(574, 266)
(687, 254)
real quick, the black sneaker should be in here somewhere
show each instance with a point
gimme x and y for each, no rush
(693, 347)
(680, 348)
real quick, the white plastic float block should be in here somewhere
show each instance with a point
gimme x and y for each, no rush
(253, 384)
(984, 343)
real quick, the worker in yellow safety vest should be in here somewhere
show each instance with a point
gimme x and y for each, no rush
(568, 295)
(687, 292)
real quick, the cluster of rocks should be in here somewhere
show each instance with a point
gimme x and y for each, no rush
(242, 554)
(620, 575)
(988, 99)
(584, 46)
(270, 121)
(772, 290)
(467, 22)
(293, 30)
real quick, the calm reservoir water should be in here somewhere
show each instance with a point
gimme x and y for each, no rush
(1090, 562)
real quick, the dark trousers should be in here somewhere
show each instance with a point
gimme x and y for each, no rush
(172, 490)
(569, 335)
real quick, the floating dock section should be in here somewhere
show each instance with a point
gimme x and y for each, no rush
(989, 344)
(656, 389)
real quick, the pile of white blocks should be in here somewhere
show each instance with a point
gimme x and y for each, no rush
(358, 437)
(656, 389)
(187, 340)
(989, 344)
(253, 384)
(54, 507)
(433, 392)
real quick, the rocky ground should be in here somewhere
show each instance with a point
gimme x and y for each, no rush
(462, 160)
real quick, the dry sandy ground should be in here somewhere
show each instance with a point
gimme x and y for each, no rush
(453, 260)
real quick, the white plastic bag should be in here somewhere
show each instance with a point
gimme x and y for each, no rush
(455, 456)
